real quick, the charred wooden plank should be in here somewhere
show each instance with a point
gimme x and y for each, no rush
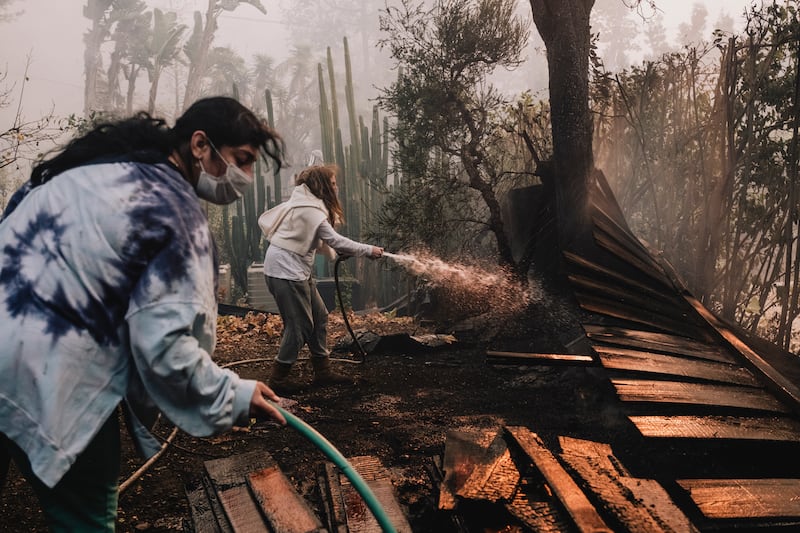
(776, 382)
(657, 342)
(493, 482)
(675, 309)
(463, 451)
(359, 517)
(542, 515)
(615, 309)
(645, 287)
(495, 460)
(284, 508)
(203, 518)
(331, 492)
(228, 476)
(216, 506)
(640, 505)
(709, 427)
(538, 358)
(634, 258)
(745, 498)
(626, 246)
(641, 390)
(576, 503)
(638, 361)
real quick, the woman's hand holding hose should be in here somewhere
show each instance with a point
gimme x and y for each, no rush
(259, 406)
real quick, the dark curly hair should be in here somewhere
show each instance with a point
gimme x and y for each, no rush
(146, 138)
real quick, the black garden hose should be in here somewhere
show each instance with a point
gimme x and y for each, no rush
(362, 355)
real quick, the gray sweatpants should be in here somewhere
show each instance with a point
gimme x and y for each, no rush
(305, 318)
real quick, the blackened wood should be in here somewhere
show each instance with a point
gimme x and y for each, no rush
(463, 451)
(625, 245)
(494, 481)
(583, 513)
(640, 505)
(640, 390)
(285, 509)
(676, 309)
(745, 498)
(646, 362)
(327, 503)
(635, 315)
(216, 506)
(709, 427)
(657, 342)
(779, 385)
(646, 287)
(203, 519)
(639, 261)
(229, 478)
(337, 516)
(359, 518)
(539, 358)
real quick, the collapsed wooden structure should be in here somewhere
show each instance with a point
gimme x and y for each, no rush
(685, 379)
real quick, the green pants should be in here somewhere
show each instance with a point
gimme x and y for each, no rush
(86, 497)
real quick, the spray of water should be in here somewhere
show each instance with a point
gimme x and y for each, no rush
(467, 289)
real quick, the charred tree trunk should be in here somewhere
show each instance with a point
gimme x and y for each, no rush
(564, 27)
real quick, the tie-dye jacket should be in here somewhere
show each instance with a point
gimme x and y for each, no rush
(107, 292)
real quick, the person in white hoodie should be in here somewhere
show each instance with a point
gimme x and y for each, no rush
(296, 230)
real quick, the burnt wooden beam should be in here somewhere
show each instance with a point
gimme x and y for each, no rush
(657, 342)
(228, 478)
(711, 427)
(659, 290)
(635, 315)
(577, 505)
(656, 391)
(646, 362)
(537, 358)
(357, 516)
(463, 451)
(331, 492)
(775, 381)
(745, 498)
(285, 509)
(203, 518)
(640, 505)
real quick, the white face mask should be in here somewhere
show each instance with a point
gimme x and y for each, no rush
(224, 189)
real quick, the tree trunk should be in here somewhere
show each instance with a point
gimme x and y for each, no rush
(564, 27)
(95, 11)
(151, 100)
(198, 66)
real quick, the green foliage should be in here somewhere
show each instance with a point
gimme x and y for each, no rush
(452, 125)
(701, 147)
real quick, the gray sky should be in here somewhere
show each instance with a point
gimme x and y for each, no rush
(50, 33)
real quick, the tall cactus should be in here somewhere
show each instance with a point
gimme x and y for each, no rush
(363, 163)
(276, 172)
(245, 243)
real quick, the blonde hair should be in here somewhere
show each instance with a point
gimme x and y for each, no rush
(319, 180)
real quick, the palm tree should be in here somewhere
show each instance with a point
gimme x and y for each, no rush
(199, 44)
(226, 69)
(163, 48)
(130, 21)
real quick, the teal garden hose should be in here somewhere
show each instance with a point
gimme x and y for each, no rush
(338, 459)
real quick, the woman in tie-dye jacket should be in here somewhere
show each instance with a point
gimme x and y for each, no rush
(107, 299)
